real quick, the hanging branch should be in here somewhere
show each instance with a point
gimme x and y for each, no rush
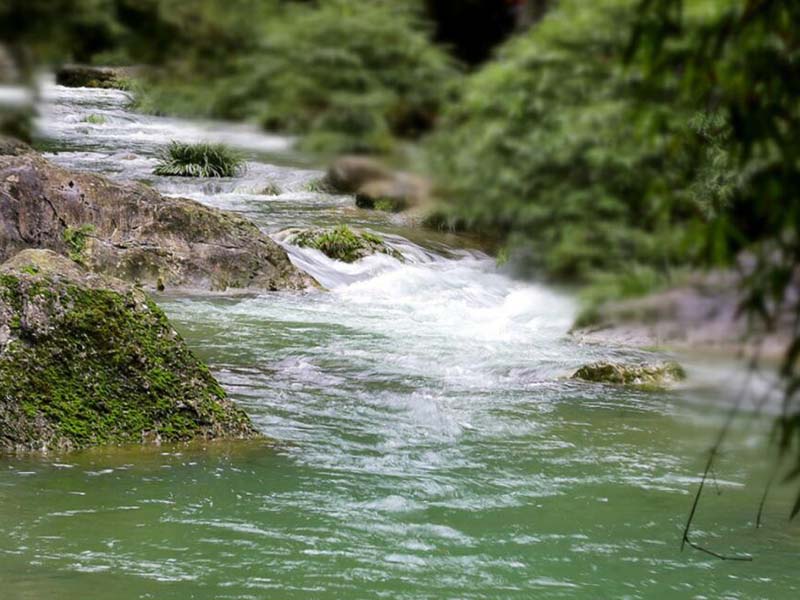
(708, 470)
(764, 496)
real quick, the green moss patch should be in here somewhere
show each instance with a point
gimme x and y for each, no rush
(75, 238)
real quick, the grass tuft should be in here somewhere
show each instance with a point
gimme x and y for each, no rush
(198, 160)
(344, 244)
(95, 119)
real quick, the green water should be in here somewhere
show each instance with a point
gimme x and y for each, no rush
(429, 441)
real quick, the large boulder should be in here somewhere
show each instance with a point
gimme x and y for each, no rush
(375, 186)
(88, 360)
(130, 231)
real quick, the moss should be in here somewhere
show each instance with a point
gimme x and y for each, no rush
(75, 239)
(104, 367)
(344, 244)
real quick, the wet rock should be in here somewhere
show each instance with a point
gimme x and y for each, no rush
(348, 174)
(701, 313)
(86, 360)
(130, 231)
(375, 186)
(340, 243)
(95, 77)
(644, 374)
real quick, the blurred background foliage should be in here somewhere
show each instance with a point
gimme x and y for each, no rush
(614, 143)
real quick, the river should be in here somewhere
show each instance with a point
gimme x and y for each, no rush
(430, 443)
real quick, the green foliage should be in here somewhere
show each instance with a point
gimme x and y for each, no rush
(741, 57)
(550, 149)
(75, 238)
(129, 31)
(350, 75)
(198, 160)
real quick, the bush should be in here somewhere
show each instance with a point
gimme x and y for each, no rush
(549, 150)
(351, 74)
(198, 160)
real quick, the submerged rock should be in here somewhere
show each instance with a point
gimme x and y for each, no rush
(654, 374)
(88, 360)
(375, 186)
(340, 243)
(130, 231)
(95, 77)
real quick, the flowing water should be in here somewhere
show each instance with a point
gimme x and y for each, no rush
(430, 444)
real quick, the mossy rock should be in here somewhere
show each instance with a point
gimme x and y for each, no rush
(641, 374)
(341, 243)
(88, 360)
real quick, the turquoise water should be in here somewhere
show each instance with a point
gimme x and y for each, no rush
(429, 443)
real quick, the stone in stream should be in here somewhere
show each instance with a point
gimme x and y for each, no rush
(375, 186)
(95, 77)
(340, 243)
(86, 360)
(703, 312)
(130, 231)
(641, 374)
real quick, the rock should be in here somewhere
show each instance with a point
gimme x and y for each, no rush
(701, 313)
(88, 360)
(129, 231)
(340, 243)
(95, 77)
(375, 186)
(348, 174)
(10, 146)
(643, 374)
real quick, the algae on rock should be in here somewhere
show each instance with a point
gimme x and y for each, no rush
(642, 374)
(88, 360)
